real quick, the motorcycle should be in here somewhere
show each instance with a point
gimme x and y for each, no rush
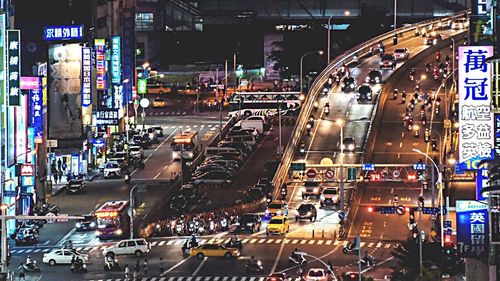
(437, 110)
(326, 110)
(403, 100)
(351, 248)
(188, 245)
(234, 244)
(302, 148)
(367, 261)
(254, 266)
(78, 266)
(395, 94)
(434, 145)
(126, 178)
(111, 265)
(297, 259)
(315, 106)
(308, 127)
(427, 135)
(31, 267)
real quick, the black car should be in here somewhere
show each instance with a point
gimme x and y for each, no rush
(348, 84)
(364, 93)
(249, 222)
(374, 76)
(433, 39)
(159, 131)
(88, 223)
(178, 203)
(306, 211)
(265, 182)
(388, 61)
(255, 193)
(189, 192)
(76, 186)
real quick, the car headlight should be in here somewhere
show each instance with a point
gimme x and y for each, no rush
(367, 79)
(315, 190)
(279, 212)
(351, 147)
(309, 213)
(78, 224)
(190, 154)
(118, 232)
(267, 212)
(92, 224)
(249, 224)
(377, 79)
(322, 197)
(97, 233)
(381, 63)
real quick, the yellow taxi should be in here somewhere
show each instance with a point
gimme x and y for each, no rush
(278, 225)
(214, 250)
(158, 102)
(277, 208)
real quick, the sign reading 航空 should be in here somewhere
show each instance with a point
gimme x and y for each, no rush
(13, 66)
(476, 136)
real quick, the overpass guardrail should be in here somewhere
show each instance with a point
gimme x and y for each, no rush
(347, 57)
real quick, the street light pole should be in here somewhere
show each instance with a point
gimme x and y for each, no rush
(341, 124)
(439, 183)
(421, 238)
(131, 198)
(329, 41)
(280, 146)
(395, 12)
(301, 63)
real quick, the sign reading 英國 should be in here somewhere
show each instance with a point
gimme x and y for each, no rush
(472, 227)
(476, 137)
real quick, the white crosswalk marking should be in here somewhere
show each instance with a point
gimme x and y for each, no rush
(370, 244)
(170, 242)
(328, 242)
(207, 278)
(387, 246)
(312, 242)
(253, 241)
(262, 241)
(295, 241)
(336, 243)
(320, 242)
(269, 241)
(278, 241)
(244, 241)
(379, 244)
(362, 244)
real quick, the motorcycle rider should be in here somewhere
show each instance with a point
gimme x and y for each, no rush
(193, 242)
(234, 239)
(428, 66)
(110, 261)
(29, 260)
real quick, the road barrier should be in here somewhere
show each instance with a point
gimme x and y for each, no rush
(346, 58)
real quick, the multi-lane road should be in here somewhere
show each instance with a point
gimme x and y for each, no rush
(318, 239)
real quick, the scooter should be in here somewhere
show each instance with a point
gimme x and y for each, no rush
(188, 245)
(367, 261)
(77, 267)
(112, 265)
(315, 106)
(254, 266)
(308, 126)
(351, 248)
(434, 145)
(31, 267)
(234, 244)
(299, 259)
(326, 110)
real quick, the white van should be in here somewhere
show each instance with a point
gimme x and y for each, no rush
(247, 139)
(253, 124)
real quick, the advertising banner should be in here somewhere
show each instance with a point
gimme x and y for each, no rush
(476, 138)
(21, 130)
(36, 114)
(107, 117)
(118, 99)
(482, 182)
(100, 59)
(128, 61)
(14, 66)
(31, 83)
(482, 20)
(472, 227)
(63, 32)
(116, 64)
(65, 101)
(497, 135)
(87, 86)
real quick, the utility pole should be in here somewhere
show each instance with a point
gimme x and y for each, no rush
(358, 241)
(131, 198)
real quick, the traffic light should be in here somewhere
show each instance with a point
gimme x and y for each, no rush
(370, 209)
(352, 173)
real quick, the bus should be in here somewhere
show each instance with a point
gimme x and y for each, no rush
(113, 220)
(264, 103)
(187, 144)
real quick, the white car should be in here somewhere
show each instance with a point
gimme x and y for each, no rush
(63, 256)
(136, 152)
(112, 169)
(316, 274)
(136, 247)
(329, 196)
(401, 53)
(460, 24)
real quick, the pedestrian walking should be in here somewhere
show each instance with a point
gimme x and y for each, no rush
(126, 272)
(161, 266)
(137, 266)
(59, 164)
(145, 264)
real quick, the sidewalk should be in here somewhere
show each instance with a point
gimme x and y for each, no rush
(58, 187)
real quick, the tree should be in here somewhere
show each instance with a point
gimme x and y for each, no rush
(435, 261)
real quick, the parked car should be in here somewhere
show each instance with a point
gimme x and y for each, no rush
(137, 247)
(213, 177)
(76, 186)
(88, 223)
(63, 256)
(306, 211)
(374, 76)
(249, 221)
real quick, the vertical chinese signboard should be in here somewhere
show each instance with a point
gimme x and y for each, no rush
(482, 182)
(86, 86)
(14, 66)
(482, 20)
(100, 50)
(472, 227)
(476, 138)
(36, 114)
(116, 65)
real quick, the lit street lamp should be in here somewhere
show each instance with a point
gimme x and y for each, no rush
(320, 52)
(439, 183)
(341, 123)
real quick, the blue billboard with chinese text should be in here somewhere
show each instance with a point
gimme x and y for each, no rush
(472, 227)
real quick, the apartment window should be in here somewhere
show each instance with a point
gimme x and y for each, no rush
(144, 21)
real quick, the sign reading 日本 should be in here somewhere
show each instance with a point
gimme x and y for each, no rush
(66, 32)
(476, 137)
